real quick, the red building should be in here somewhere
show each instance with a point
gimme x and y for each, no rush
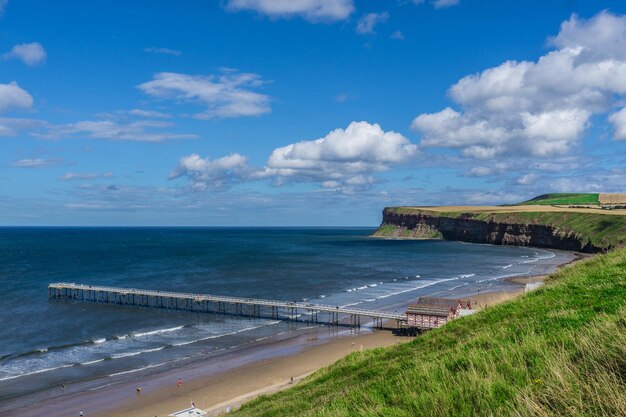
(430, 312)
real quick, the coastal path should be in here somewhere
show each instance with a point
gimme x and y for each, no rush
(207, 303)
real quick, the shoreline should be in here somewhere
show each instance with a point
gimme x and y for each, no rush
(213, 386)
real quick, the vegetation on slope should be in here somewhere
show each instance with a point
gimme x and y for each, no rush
(574, 199)
(560, 350)
(603, 231)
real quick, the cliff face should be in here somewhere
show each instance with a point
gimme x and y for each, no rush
(467, 229)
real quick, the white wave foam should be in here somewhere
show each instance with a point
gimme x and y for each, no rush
(423, 285)
(139, 352)
(98, 341)
(158, 331)
(91, 362)
(507, 266)
(137, 370)
(215, 336)
(36, 372)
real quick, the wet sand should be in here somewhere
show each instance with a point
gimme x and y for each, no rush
(214, 392)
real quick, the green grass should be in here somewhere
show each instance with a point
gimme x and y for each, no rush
(602, 230)
(558, 351)
(574, 199)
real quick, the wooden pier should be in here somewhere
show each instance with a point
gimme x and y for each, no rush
(206, 303)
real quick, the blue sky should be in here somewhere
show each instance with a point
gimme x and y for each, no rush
(303, 112)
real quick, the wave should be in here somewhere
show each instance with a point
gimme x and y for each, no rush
(36, 372)
(158, 331)
(507, 266)
(98, 341)
(215, 336)
(91, 362)
(138, 369)
(424, 285)
(139, 352)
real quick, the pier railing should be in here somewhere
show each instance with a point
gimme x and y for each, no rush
(208, 303)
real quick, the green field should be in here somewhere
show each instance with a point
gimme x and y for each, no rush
(574, 199)
(558, 351)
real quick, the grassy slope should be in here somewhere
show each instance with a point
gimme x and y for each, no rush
(563, 199)
(560, 350)
(600, 229)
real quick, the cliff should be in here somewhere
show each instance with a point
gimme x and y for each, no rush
(574, 231)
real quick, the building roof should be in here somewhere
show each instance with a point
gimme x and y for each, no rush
(433, 306)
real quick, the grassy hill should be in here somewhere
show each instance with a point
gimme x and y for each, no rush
(560, 350)
(603, 228)
(573, 199)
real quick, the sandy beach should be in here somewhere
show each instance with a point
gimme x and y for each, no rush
(213, 393)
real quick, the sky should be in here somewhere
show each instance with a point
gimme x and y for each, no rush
(303, 112)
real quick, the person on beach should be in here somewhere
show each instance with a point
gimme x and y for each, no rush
(179, 383)
(81, 413)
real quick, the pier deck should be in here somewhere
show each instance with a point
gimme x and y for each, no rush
(254, 307)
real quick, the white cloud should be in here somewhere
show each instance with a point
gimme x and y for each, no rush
(72, 176)
(343, 158)
(12, 96)
(441, 4)
(527, 179)
(35, 163)
(149, 114)
(227, 95)
(142, 131)
(618, 120)
(537, 108)
(217, 174)
(163, 51)
(311, 10)
(368, 22)
(29, 53)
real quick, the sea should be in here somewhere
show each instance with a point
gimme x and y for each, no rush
(46, 344)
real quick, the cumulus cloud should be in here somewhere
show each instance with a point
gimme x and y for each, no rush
(311, 10)
(345, 160)
(367, 23)
(142, 131)
(29, 53)
(537, 108)
(618, 120)
(227, 95)
(12, 96)
(163, 51)
(212, 174)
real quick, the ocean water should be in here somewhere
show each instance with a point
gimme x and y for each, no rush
(45, 343)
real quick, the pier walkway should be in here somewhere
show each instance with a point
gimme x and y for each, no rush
(207, 303)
